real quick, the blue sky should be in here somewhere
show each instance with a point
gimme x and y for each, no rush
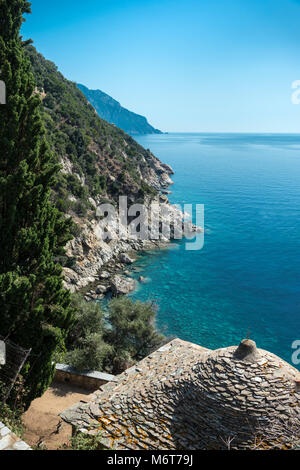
(192, 65)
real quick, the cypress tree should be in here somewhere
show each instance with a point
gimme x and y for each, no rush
(35, 309)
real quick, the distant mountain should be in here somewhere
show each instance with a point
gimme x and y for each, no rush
(111, 111)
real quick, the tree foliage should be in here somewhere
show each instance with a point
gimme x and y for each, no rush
(113, 343)
(35, 309)
(95, 149)
(132, 334)
(87, 348)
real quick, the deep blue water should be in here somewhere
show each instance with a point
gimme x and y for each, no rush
(246, 279)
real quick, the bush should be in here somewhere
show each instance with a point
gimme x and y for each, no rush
(86, 442)
(80, 208)
(132, 334)
(75, 229)
(66, 261)
(12, 419)
(127, 336)
(86, 346)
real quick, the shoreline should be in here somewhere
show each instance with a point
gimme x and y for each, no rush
(124, 272)
(115, 275)
(98, 267)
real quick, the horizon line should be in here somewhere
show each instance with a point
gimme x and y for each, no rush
(225, 132)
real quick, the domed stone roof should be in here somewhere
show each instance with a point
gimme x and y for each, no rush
(184, 396)
(248, 393)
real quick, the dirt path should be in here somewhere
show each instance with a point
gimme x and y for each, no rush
(42, 421)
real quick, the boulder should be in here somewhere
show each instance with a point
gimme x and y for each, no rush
(122, 285)
(89, 297)
(101, 289)
(165, 180)
(104, 275)
(71, 277)
(125, 258)
(163, 198)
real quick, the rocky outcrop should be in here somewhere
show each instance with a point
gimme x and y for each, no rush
(97, 261)
(125, 258)
(157, 174)
(101, 290)
(122, 285)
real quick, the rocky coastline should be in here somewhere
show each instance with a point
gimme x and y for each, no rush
(108, 268)
(105, 268)
(99, 266)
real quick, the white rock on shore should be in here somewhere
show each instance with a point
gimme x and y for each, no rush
(122, 285)
(101, 289)
(125, 258)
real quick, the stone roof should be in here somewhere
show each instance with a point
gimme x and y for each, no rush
(184, 396)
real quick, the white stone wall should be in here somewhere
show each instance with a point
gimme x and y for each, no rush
(9, 441)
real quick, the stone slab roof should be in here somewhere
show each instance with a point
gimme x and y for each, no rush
(9, 441)
(184, 396)
(123, 411)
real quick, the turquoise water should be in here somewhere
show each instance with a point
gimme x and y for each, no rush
(246, 279)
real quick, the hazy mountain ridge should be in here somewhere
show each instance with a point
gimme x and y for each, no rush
(112, 111)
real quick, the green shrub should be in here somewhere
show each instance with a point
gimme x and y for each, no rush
(132, 334)
(82, 441)
(12, 419)
(86, 346)
(75, 229)
(113, 344)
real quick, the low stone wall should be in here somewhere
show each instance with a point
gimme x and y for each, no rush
(89, 380)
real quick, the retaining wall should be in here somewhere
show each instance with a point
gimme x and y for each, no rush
(89, 380)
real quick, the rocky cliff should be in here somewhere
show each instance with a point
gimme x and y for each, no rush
(99, 163)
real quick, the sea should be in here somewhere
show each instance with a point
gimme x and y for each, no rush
(245, 281)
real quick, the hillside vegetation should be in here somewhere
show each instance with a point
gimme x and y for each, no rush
(99, 160)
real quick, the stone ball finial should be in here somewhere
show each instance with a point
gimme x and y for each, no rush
(246, 351)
